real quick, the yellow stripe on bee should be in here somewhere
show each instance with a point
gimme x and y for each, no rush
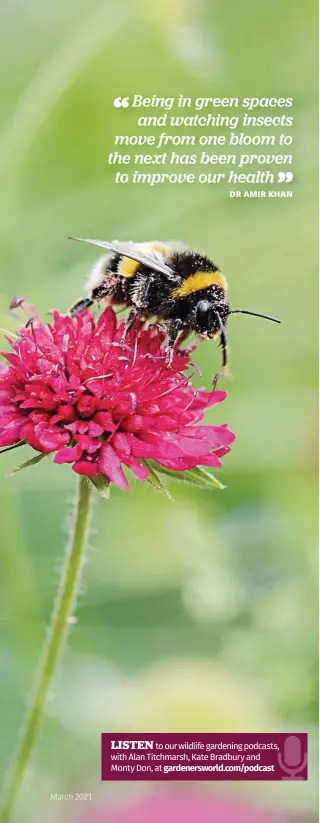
(164, 250)
(201, 280)
(128, 267)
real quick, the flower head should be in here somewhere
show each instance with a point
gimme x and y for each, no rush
(74, 388)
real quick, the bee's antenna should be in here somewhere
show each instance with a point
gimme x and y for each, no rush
(255, 314)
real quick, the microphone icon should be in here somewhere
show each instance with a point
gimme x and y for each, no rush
(293, 761)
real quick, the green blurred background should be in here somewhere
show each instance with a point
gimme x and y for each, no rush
(198, 614)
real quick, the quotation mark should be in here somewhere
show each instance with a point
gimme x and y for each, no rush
(121, 102)
(285, 176)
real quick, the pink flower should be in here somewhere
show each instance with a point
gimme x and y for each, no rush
(73, 388)
(185, 806)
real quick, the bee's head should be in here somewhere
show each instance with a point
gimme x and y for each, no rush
(210, 318)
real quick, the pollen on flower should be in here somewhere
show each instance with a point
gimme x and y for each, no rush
(73, 388)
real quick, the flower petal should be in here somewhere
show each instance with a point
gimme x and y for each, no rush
(11, 432)
(45, 438)
(85, 468)
(68, 454)
(140, 471)
(110, 466)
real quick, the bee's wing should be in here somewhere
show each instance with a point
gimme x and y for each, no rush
(152, 259)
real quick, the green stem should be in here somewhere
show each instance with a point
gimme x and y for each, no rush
(62, 611)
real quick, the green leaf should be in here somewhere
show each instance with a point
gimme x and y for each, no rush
(154, 480)
(198, 476)
(27, 464)
(101, 484)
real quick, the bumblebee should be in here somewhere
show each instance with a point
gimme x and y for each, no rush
(181, 288)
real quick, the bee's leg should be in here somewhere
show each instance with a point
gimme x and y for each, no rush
(81, 306)
(224, 346)
(183, 336)
(172, 327)
(139, 296)
(134, 314)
